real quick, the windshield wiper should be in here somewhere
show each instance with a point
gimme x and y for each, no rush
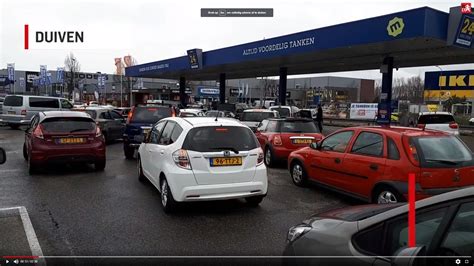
(443, 161)
(226, 148)
(79, 129)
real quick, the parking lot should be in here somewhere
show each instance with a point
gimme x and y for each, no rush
(78, 211)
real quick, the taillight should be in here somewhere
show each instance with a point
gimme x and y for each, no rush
(38, 132)
(173, 112)
(277, 140)
(98, 132)
(260, 158)
(421, 126)
(411, 151)
(130, 114)
(453, 126)
(23, 112)
(181, 159)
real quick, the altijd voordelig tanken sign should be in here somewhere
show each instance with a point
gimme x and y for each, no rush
(280, 46)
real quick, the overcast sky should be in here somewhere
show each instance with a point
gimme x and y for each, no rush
(154, 30)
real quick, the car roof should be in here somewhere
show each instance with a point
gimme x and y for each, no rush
(435, 113)
(395, 130)
(438, 199)
(207, 121)
(259, 111)
(98, 108)
(290, 119)
(51, 114)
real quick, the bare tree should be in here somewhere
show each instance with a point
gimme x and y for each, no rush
(72, 66)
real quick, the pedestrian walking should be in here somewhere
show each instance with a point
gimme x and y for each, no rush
(319, 118)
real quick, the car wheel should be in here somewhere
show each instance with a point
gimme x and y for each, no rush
(387, 195)
(14, 126)
(99, 165)
(129, 151)
(25, 152)
(254, 201)
(141, 176)
(268, 157)
(32, 168)
(167, 201)
(298, 174)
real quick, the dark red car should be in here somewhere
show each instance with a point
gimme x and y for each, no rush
(278, 137)
(373, 163)
(63, 137)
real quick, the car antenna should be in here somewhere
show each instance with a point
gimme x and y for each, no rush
(217, 116)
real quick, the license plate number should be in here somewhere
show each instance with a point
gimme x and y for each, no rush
(226, 161)
(71, 140)
(302, 141)
(11, 112)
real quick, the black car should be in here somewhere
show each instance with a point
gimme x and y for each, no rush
(140, 119)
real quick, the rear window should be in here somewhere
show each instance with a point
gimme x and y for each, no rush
(43, 102)
(150, 115)
(298, 127)
(256, 116)
(284, 112)
(436, 119)
(68, 124)
(92, 113)
(442, 151)
(211, 139)
(13, 101)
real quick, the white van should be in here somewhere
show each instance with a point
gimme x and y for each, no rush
(18, 110)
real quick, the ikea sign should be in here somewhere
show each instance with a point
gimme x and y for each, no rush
(450, 80)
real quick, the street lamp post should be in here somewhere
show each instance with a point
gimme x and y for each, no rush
(72, 70)
(439, 93)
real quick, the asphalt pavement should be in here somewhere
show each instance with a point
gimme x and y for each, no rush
(76, 211)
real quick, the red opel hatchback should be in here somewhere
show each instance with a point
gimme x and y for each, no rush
(373, 163)
(63, 137)
(278, 137)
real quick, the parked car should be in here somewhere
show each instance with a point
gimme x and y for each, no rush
(201, 159)
(111, 123)
(378, 234)
(373, 163)
(63, 137)
(140, 119)
(284, 110)
(278, 137)
(123, 111)
(443, 121)
(253, 117)
(191, 113)
(18, 110)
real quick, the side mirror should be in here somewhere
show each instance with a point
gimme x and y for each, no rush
(410, 257)
(315, 145)
(3, 156)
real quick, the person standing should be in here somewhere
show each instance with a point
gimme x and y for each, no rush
(319, 118)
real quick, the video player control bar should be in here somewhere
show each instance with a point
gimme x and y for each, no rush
(236, 12)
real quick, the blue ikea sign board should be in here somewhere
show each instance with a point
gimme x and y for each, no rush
(452, 80)
(402, 25)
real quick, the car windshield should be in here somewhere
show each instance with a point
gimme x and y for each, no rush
(298, 127)
(150, 115)
(92, 113)
(436, 119)
(13, 101)
(284, 112)
(68, 124)
(211, 139)
(443, 149)
(214, 114)
(256, 116)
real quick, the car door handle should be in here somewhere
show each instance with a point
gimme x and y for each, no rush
(374, 167)
(337, 160)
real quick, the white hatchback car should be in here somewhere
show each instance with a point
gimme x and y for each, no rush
(201, 158)
(442, 121)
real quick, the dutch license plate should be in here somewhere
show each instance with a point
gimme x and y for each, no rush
(11, 112)
(226, 161)
(302, 141)
(71, 140)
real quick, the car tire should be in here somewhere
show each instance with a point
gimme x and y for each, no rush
(386, 194)
(128, 151)
(167, 200)
(14, 126)
(298, 174)
(100, 165)
(32, 167)
(254, 201)
(141, 176)
(268, 157)
(25, 152)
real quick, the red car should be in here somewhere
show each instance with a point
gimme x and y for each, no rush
(278, 137)
(373, 163)
(63, 137)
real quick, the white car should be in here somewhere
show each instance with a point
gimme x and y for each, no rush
(442, 121)
(191, 112)
(285, 110)
(201, 159)
(253, 117)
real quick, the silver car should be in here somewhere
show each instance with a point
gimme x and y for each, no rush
(378, 234)
(111, 122)
(18, 110)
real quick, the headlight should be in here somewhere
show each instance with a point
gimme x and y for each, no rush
(296, 231)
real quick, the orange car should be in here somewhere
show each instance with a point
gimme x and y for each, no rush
(373, 163)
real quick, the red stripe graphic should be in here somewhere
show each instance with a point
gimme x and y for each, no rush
(26, 37)
(411, 211)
